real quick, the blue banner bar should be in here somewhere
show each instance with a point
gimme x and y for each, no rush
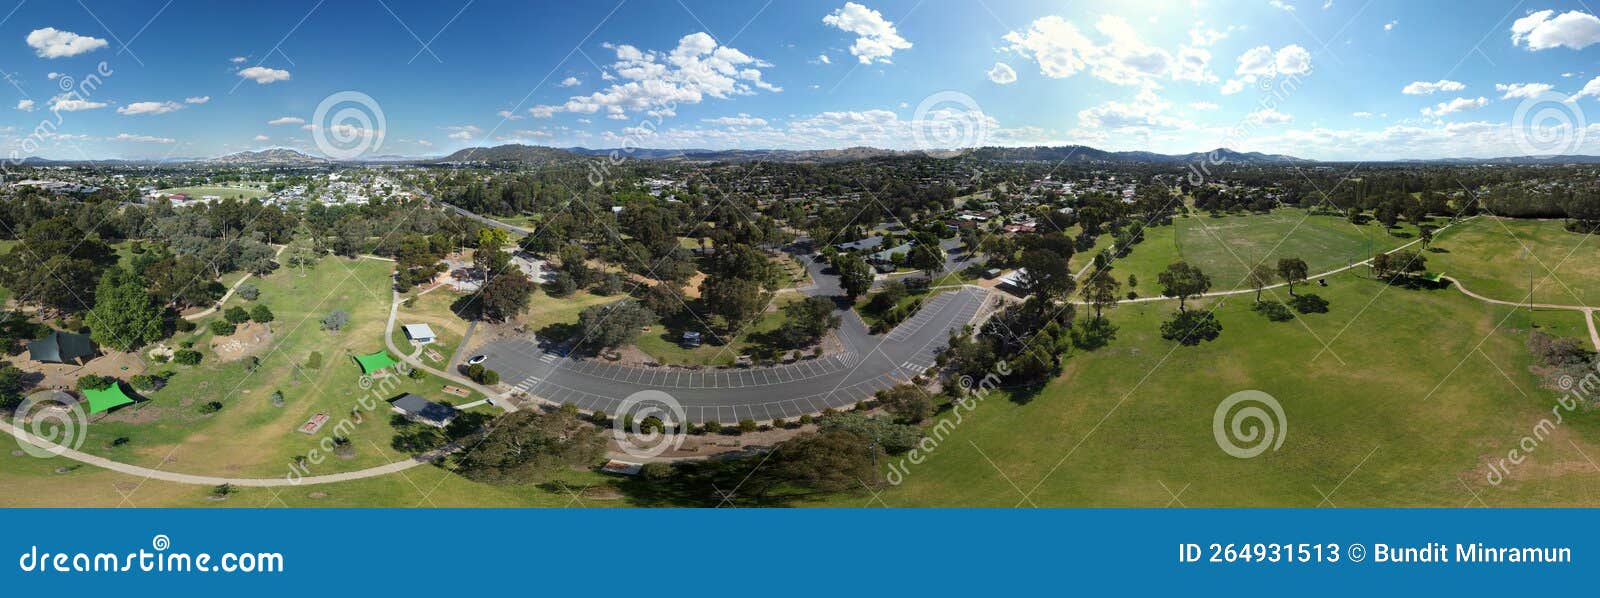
(791, 552)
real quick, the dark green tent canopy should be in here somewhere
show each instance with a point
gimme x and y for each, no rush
(106, 398)
(60, 347)
(374, 362)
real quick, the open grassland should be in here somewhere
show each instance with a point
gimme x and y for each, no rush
(224, 192)
(1225, 248)
(1420, 390)
(249, 435)
(1503, 258)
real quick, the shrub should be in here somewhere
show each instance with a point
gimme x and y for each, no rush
(713, 427)
(780, 423)
(277, 398)
(146, 382)
(222, 327)
(236, 314)
(747, 426)
(1310, 304)
(490, 378)
(475, 372)
(186, 357)
(1274, 310)
(248, 291)
(261, 314)
(335, 320)
(314, 360)
(599, 417)
(656, 471)
(805, 420)
(93, 382)
(211, 407)
(652, 424)
(416, 374)
(182, 325)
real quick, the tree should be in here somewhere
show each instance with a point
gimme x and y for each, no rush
(805, 321)
(821, 462)
(890, 437)
(908, 403)
(260, 313)
(927, 256)
(735, 301)
(527, 446)
(1049, 274)
(236, 315)
(1293, 270)
(1261, 277)
(222, 328)
(1183, 281)
(124, 315)
(1101, 290)
(614, 325)
(855, 275)
(1191, 327)
(505, 296)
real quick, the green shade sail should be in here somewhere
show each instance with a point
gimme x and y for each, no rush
(106, 398)
(374, 362)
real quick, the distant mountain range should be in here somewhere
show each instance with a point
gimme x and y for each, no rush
(537, 155)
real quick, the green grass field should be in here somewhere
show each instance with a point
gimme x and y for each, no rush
(224, 192)
(1405, 411)
(1226, 247)
(249, 435)
(1502, 258)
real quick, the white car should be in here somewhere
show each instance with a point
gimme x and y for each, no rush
(477, 359)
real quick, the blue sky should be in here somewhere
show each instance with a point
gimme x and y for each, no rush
(1347, 79)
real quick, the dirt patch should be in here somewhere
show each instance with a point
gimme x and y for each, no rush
(111, 364)
(142, 413)
(247, 340)
(601, 493)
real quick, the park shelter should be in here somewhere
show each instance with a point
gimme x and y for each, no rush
(423, 410)
(374, 362)
(107, 398)
(420, 333)
(61, 347)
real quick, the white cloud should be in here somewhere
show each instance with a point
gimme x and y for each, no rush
(1263, 61)
(287, 120)
(1268, 116)
(1389, 26)
(143, 138)
(197, 99)
(264, 75)
(1542, 31)
(66, 103)
(424, 143)
(149, 108)
(509, 115)
(1202, 36)
(1361, 114)
(1146, 111)
(1203, 106)
(25, 105)
(1422, 88)
(654, 81)
(53, 76)
(1327, 4)
(1062, 50)
(1590, 89)
(1281, 5)
(237, 60)
(54, 43)
(742, 120)
(464, 132)
(1456, 105)
(1233, 86)
(570, 82)
(262, 138)
(823, 58)
(1193, 64)
(1522, 90)
(876, 38)
(1003, 74)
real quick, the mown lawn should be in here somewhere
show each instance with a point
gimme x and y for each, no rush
(1420, 391)
(1503, 258)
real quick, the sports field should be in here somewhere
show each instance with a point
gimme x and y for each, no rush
(1503, 258)
(1225, 248)
(1406, 409)
(224, 192)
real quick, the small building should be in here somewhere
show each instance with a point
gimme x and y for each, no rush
(423, 410)
(860, 244)
(691, 339)
(420, 333)
(887, 256)
(62, 347)
(1015, 281)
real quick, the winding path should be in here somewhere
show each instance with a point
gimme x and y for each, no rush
(1588, 312)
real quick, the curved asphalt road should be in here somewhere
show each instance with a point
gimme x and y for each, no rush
(869, 363)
